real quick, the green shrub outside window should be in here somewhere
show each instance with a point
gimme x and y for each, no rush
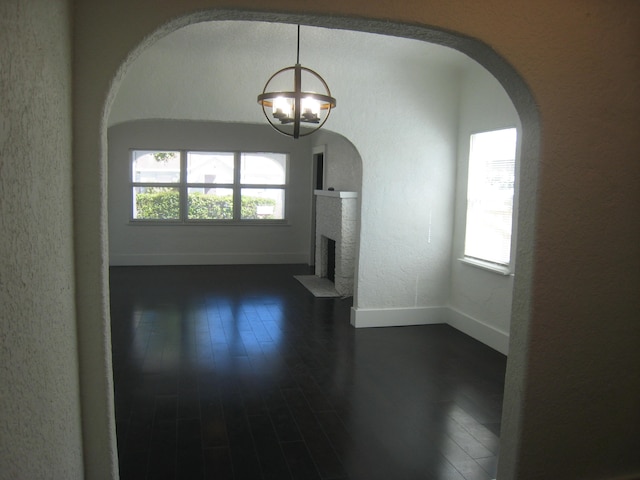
(164, 204)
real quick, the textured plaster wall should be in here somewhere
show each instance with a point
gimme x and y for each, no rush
(135, 244)
(342, 162)
(484, 297)
(572, 376)
(408, 166)
(40, 433)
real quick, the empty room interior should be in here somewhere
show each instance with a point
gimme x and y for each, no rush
(187, 293)
(159, 240)
(225, 366)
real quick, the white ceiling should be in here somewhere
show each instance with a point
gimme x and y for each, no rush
(276, 43)
(214, 70)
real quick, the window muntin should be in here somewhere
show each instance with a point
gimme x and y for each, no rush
(156, 203)
(263, 168)
(210, 167)
(149, 166)
(262, 203)
(263, 177)
(210, 203)
(194, 186)
(156, 179)
(490, 192)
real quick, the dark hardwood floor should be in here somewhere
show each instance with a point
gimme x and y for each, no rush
(238, 372)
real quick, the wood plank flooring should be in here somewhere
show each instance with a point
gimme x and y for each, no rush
(238, 372)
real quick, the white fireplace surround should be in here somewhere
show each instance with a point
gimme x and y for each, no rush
(336, 219)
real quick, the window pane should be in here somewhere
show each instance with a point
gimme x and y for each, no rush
(263, 168)
(490, 196)
(210, 204)
(210, 167)
(155, 166)
(262, 203)
(156, 203)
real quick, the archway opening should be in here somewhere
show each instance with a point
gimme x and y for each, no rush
(513, 85)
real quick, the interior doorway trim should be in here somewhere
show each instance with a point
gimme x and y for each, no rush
(319, 173)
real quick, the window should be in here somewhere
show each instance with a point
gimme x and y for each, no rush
(192, 186)
(490, 196)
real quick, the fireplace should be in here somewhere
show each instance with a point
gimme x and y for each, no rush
(336, 235)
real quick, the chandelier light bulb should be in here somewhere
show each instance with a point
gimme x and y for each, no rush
(282, 109)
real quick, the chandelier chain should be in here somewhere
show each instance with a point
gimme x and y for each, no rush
(298, 54)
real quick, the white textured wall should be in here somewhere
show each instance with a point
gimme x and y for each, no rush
(481, 300)
(40, 433)
(138, 244)
(342, 162)
(408, 176)
(573, 375)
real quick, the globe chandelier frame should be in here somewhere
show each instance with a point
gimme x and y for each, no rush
(293, 108)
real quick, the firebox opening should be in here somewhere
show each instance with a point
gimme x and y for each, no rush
(331, 260)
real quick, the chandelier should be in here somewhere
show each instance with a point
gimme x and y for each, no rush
(290, 99)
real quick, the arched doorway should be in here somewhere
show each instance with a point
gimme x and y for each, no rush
(512, 83)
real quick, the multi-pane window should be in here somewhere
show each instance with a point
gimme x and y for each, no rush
(490, 193)
(181, 186)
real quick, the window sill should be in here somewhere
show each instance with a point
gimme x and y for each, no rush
(488, 266)
(206, 223)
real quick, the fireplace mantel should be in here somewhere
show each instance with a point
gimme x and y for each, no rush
(335, 193)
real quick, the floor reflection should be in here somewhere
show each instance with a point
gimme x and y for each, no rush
(238, 372)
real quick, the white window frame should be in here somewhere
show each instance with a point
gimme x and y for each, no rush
(492, 264)
(183, 187)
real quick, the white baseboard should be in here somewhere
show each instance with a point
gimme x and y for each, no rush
(207, 259)
(397, 317)
(490, 336)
